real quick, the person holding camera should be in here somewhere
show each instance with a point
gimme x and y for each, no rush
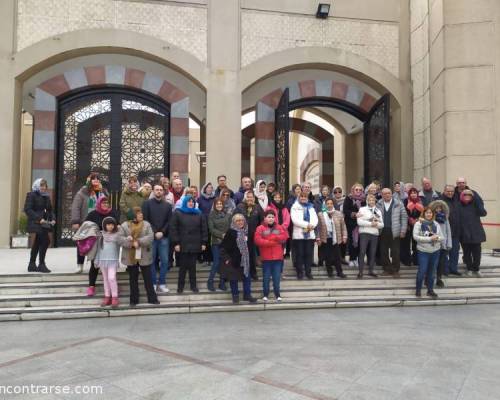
(38, 208)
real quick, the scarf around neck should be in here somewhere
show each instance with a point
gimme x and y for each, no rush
(242, 243)
(135, 231)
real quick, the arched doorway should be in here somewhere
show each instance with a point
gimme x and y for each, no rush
(115, 131)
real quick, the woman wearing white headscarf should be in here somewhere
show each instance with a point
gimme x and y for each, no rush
(261, 194)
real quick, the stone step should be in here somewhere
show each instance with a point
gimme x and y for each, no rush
(41, 288)
(36, 300)
(84, 311)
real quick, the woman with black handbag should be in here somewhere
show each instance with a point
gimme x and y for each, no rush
(38, 208)
(235, 259)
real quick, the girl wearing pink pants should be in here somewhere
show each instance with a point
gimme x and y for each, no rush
(107, 260)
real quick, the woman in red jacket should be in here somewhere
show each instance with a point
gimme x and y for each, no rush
(269, 238)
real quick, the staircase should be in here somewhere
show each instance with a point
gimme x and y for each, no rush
(62, 295)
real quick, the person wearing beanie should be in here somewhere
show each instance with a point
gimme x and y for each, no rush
(108, 260)
(270, 238)
(472, 233)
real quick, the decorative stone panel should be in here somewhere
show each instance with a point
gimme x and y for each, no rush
(263, 33)
(181, 25)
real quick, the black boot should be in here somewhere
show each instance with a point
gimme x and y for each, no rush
(43, 268)
(222, 285)
(250, 299)
(32, 267)
(432, 294)
(440, 283)
(210, 285)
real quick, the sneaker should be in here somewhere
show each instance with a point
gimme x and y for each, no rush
(250, 299)
(162, 288)
(478, 274)
(79, 269)
(468, 274)
(91, 291)
(106, 301)
(432, 293)
(265, 298)
(439, 283)
(279, 299)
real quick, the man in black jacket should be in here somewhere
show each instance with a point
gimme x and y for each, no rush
(451, 261)
(159, 213)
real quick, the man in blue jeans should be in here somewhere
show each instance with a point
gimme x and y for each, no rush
(158, 212)
(451, 260)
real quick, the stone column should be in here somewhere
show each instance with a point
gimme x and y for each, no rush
(223, 92)
(10, 124)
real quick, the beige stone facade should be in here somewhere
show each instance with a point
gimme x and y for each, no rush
(219, 59)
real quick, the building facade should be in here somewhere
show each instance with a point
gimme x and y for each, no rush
(72, 70)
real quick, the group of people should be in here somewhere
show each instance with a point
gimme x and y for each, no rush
(234, 231)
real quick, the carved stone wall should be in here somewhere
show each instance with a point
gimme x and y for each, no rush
(184, 26)
(263, 33)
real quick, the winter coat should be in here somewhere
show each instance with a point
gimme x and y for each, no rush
(128, 201)
(319, 201)
(218, 224)
(230, 266)
(349, 208)
(435, 196)
(454, 215)
(338, 223)
(205, 204)
(447, 243)
(37, 207)
(188, 231)
(365, 218)
(270, 241)
(145, 241)
(424, 242)
(79, 207)
(399, 217)
(158, 214)
(254, 218)
(285, 215)
(471, 228)
(297, 215)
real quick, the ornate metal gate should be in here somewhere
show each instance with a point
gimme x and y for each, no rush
(115, 132)
(282, 131)
(376, 143)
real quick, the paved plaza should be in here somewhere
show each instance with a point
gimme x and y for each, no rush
(392, 353)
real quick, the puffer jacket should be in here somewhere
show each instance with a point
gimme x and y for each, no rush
(284, 213)
(424, 242)
(365, 220)
(270, 241)
(338, 223)
(299, 224)
(128, 201)
(447, 243)
(399, 217)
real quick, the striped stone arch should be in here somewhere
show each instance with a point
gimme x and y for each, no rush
(45, 112)
(265, 108)
(311, 157)
(310, 129)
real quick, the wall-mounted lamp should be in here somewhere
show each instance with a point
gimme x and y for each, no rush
(201, 157)
(323, 10)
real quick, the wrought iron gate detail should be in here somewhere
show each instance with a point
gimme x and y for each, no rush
(115, 132)
(376, 143)
(282, 131)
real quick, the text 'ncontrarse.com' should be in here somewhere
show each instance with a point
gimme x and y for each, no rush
(50, 389)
